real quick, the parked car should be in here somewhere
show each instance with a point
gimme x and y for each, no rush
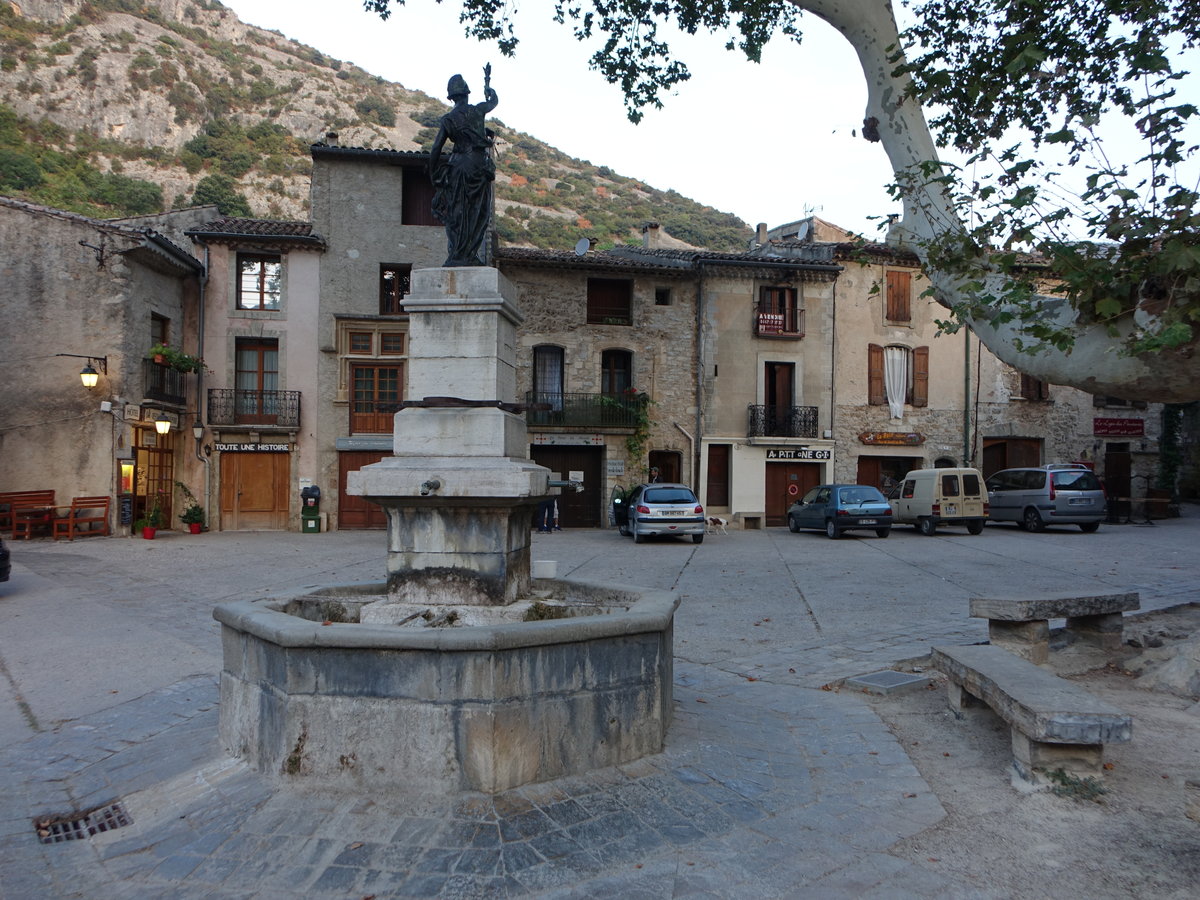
(5, 561)
(835, 508)
(1052, 495)
(659, 508)
(928, 498)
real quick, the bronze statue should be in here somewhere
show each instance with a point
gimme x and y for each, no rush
(462, 182)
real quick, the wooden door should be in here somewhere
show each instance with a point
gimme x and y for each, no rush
(717, 488)
(786, 483)
(1118, 483)
(358, 512)
(254, 491)
(582, 509)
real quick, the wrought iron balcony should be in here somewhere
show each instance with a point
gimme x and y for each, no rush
(782, 421)
(584, 410)
(280, 409)
(373, 416)
(162, 383)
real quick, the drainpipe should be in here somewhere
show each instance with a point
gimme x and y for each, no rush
(200, 390)
(967, 461)
(699, 382)
(833, 352)
(691, 451)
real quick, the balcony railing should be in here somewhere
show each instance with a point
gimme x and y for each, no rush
(162, 383)
(785, 323)
(583, 410)
(782, 421)
(280, 409)
(373, 416)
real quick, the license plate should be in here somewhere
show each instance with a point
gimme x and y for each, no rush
(1080, 501)
(867, 522)
(950, 509)
(672, 512)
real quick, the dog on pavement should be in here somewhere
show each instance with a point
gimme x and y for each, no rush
(716, 525)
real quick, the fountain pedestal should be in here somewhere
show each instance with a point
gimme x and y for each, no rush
(459, 493)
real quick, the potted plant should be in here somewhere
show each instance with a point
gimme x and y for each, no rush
(193, 513)
(175, 359)
(151, 520)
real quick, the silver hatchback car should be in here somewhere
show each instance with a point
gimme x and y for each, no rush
(1051, 495)
(667, 509)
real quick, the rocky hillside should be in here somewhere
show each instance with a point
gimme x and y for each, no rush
(116, 107)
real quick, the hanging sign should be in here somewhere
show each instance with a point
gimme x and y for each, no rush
(892, 438)
(1119, 427)
(252, 448)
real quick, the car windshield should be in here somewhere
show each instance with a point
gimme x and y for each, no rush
(668, 495)
(851, 496)
(1076, 480)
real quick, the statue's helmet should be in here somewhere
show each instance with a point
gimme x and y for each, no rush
(457, 87)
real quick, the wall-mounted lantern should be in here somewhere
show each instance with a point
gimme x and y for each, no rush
(89, 376)
(162, 424)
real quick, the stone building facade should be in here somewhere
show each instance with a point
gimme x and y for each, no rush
(86, 292)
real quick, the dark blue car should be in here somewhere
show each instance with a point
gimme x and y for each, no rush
(834, 508)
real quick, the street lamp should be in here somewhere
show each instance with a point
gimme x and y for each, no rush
(89, 376)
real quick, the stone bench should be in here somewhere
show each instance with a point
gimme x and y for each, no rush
(1022, 626)
(1055, 724)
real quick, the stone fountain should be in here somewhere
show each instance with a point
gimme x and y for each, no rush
(350, 687)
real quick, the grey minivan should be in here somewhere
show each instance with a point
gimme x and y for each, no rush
(1053, 495)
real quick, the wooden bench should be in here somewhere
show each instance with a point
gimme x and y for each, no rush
(1055, 724)
(1022, 625)
(28, 511)
(86, 517)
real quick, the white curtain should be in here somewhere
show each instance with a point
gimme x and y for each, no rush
(895, 378)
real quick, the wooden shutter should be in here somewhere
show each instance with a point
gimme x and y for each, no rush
(920, 360)
(899, 292)
(876, 395)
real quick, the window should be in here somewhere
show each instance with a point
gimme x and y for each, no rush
(616, 372)
(950, 486)
(376, 392)
(391, 344)
(896, 376)
(256, 381)
(548, 375)
(662, 296)
(260, 279)
(899, 294)
(779, 312)
(394, 285)
(360, 342)
(416, 199)
(1033, 388)
(609, 301)
(160, 330)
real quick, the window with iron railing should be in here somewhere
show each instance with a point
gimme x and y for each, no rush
(230, 406)
(557, 409)
(778, 313)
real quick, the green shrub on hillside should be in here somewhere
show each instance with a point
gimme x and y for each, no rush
(222, 191)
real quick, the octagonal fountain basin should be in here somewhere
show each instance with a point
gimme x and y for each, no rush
(313, 691)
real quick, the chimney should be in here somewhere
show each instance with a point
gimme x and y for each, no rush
(331, 138)
(761, 235)
(650, 235)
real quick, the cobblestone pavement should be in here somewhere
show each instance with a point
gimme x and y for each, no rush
(768, 786)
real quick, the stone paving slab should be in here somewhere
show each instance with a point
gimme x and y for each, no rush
(762, 790)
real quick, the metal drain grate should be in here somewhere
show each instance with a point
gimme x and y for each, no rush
(81, 826)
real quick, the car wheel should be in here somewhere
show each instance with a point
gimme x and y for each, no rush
(831, 530)
(793, 525)
(624, 529)
(975, 527)
(1033, 520)
(1089, 527)
(928, 527)
(697, 539)
(883, 532)
(638, 537)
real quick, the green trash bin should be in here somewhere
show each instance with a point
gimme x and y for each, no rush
(310, 524)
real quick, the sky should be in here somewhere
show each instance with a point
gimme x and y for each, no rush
(770, 142)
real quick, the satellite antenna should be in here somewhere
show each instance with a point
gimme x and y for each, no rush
(582, 246)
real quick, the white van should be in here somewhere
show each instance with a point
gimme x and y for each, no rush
(927, 498)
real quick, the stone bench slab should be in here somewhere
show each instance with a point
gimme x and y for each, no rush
(1035, 702)
(1049, 606)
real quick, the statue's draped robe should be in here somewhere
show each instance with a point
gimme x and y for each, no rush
(463, 186)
